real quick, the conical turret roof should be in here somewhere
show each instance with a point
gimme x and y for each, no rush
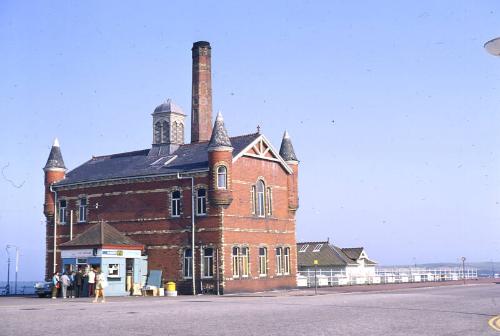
(55, 159)
(219, 139)
(286, 149)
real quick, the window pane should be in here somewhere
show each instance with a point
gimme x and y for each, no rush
(260, 199)
(208, 252)
(221, 177)
(201, 202)
(188, 259)
(252, 196)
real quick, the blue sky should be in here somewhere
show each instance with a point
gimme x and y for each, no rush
(392, 108)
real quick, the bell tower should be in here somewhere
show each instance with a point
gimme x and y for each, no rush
(168, 128)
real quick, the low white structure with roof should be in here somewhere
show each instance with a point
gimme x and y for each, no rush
(341, 266)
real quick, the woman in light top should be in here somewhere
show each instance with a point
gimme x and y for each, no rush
(101, 283)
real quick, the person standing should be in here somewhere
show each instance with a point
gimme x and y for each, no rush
(55, 284)
(78, 283)
(65, 282)
(71, 288)
(91, 282)
(101, 283)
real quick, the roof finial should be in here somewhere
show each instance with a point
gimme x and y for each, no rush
(219, 116)
(258, 129)
(56, 143)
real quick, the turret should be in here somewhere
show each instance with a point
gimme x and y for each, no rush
(220, 158)
(288, 154)
(55, 170)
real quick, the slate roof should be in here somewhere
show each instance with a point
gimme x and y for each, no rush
(168, 107)
(188, 157)
(328, 255)
(101, 234)
(353, 252)
(286, 149)
(55, 159)
(219, 138)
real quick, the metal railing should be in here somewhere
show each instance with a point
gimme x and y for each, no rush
(383, 276)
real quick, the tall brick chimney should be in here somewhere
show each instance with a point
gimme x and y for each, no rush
(201, 101)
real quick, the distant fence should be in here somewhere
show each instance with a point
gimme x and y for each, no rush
(384, 276)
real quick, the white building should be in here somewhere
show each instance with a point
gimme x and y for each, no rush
(335, 265)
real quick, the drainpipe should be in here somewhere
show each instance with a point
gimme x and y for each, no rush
(71, 225)
(55, 229)
(193, 258)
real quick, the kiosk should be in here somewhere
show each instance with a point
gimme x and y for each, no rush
(107, 249)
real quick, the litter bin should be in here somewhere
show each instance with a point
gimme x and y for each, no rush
(171, 291)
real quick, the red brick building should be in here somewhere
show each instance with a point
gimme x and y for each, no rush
(238, 193)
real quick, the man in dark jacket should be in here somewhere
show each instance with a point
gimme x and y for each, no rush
(78, 283)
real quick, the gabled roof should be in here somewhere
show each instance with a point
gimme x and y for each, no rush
(353, 252)
(99, 235)
(327, 255)
(188, 157)
(269, 151)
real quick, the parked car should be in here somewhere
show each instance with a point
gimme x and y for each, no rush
(43, 289)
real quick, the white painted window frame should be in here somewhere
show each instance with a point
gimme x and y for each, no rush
(175, 203)
(82, 209)
(187, 263)
(207, 260)
(203, 201)
(263, 262)
(62, 211)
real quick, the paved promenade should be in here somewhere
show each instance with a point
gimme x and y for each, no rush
(442, 310)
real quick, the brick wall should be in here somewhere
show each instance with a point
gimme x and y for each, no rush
(142, 211)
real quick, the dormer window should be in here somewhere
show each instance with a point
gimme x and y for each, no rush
(318, 247)
(222, 177)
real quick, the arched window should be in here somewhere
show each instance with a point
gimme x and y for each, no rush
(236, 261)
(279, 261)
(158, 132)
(222, 177)
(260, 198)
(180, 133)
(269, 201)
(174, 131)
(176, 203)
(262, 261)
(165, 132)
(286, 260)
(245, 262)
